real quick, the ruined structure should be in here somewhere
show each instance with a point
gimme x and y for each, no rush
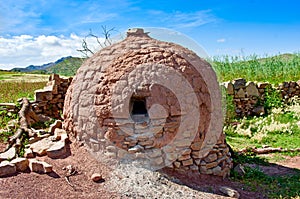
(149, 101)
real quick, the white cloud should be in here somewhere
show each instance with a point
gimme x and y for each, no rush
(24, 50)
(221, 40)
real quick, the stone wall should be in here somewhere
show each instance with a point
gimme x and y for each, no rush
(249, 97)
(49, 101)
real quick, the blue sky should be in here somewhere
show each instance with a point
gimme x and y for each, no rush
(40, 31)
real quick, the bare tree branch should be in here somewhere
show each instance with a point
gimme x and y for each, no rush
(86, 49)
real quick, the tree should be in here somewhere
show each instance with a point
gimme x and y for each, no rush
(86, 50)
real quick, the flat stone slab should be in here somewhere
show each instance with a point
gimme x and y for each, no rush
(41, 147)
(57, 150)
(8, 155)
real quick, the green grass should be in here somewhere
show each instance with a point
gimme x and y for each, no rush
(10, 91)
(272, 186)
(276, 69)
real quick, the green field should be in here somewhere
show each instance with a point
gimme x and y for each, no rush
(15, 85)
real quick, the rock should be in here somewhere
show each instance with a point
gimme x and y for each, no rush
(56, 125)
(8, 155)
(39, 166)
(41, 147)
(97, 177)
(217, 170)
(7, 169)
(136, 148)
(239, 83)
(211, 158)
(196, 146)
(259, 110)
(241, 93)
(20, 163)
(61, 134)
(187, 162)
(239, 169)
(229, 192)
(251, 89)
(28, 153)
(229, 88)
(262, 85)
(57, 150)
(43, 94)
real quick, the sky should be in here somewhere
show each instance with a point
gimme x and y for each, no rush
(42, 31)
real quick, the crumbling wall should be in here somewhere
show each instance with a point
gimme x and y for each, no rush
(49, 101)
(249, 97)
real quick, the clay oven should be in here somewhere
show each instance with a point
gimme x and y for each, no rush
(151, 101)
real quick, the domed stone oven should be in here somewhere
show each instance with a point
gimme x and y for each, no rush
(149, 101)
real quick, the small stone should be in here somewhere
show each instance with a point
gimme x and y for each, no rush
(239, 169)
(251, 89)
(97, 177)
(61, 134)
(55, 125)
(20, 163)
(187, 162)
(260, 110)
(239, 83)
(240, 93)
(8, 155)
(39, 166)
(229, 192)
(229, 88)
(135, 149)
(211, 158)
(57, 150)
(28, 153)
(211, 165)
(6, 169)
(177, 164)
(217, 170)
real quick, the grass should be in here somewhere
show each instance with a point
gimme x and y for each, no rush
(273, 186)
(14, 85)
(276, 69)
(10, 91)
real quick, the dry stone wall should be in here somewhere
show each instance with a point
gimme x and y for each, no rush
(249, 97)
(49, 101)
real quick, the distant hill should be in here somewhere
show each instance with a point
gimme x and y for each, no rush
(66, 66)
(41, 67)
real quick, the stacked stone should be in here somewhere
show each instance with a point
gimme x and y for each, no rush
(248, 97)
(218, 161)
(289, 89)
(49, 101)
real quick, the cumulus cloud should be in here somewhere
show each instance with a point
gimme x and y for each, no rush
(221, 40)
(24, 50)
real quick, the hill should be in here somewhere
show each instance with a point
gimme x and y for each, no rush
(31, 68)
(67, 67)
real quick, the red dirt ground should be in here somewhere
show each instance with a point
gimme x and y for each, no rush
(54, 185)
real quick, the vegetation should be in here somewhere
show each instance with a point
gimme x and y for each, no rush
(12, 91)
(276, 69)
